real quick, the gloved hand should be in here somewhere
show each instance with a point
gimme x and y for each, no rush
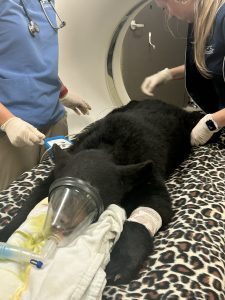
(151, 82)
(21, 133)
(76, 103)
(200, 134)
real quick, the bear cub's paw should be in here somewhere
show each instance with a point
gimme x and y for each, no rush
(129, 253)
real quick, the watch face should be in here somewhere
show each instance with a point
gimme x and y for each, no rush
(211, 125)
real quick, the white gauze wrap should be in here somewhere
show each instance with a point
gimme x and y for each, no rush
(147, 217)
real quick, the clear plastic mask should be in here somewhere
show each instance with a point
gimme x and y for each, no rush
(73, 206)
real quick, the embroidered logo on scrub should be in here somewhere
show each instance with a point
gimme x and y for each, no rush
(209, 50)
(46, 3)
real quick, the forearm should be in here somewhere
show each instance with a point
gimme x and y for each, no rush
(204, 130)
(219, 117)
(5, 114)
(178, 72)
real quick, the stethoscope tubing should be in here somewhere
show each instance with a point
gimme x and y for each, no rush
(32, 26)
(25, 10)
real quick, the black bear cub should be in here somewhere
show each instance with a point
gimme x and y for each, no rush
(127, 156)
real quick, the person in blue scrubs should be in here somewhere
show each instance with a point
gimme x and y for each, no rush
(204, 67)
(32, 97)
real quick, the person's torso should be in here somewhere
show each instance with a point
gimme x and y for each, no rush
(209, 94)
(29, 85)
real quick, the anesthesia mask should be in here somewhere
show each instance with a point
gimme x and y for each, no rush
(73, 205)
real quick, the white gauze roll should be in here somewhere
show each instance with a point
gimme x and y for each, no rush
(147, 217)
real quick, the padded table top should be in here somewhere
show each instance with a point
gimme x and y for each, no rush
(188, 261)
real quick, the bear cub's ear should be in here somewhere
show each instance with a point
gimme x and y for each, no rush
(136, 174)
(59, 154)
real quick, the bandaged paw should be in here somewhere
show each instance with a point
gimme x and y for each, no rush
(147, 217)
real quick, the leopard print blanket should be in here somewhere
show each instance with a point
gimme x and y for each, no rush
(188, 261)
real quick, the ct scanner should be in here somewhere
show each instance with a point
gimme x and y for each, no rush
(90, 53)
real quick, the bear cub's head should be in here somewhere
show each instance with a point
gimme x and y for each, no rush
(97, 167)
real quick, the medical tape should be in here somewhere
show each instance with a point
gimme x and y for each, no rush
(147, 217)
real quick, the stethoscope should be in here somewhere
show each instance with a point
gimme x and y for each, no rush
(33, 27)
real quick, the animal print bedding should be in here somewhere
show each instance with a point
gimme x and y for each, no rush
(188, 261)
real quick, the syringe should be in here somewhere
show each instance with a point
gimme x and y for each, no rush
(20, 255)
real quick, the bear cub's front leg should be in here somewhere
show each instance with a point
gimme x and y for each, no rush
(129, 253)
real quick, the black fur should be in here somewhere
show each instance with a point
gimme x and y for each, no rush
(127, 156)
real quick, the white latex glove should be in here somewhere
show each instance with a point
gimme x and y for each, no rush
(151, 82)
(200, 134)
(76, 103)
(21, 133)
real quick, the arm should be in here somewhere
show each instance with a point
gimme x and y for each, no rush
(19, 132)
(178, 72)
(5, 114)
(219, 117)
(151, 82)
(73, 101)
(201, 133)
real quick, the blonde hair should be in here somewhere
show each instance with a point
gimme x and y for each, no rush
(205, 14)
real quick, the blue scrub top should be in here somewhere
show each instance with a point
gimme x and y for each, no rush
(29, 84)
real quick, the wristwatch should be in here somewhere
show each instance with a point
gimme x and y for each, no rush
(211, 124)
